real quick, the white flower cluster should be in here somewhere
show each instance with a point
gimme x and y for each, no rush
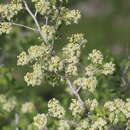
(114, 108)
(55, 64)
(96, 57)
(77, 38)
(40, 121)
(48, 32)
(108, 68)
(95, 67)
(117, 107)
(55, 109)
(27, 107)
(10, 10)
(72, 53)
(59, 14)
(63, 125)
(9, 105)
(90, 70)
(76, 107)
(83, 125)
(5, 28)
(91, 104)
(71, 16)
(89, 83)
(73, 48)
(44, 61)
(23, 58)
(42, 6)
(35, 53)
(34, 78)
(99, 124)
(126, 109)
(71, 70)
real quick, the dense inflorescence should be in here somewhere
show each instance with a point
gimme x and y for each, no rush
(117, 108)
(76, 107)
(9, 105)
(5, 28)
(40, 121)
(28, 107)
(55, 109)
(8, 11)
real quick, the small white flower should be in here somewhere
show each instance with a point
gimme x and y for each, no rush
(23, 59)
(55, 109)
(5, 28)
(28, 107)
(63, 125)
(72, 16)
(96, 57)
(91, 104)
(76, 107)
(108, 68)
(9, 105)
(40, 121)
(48, 32)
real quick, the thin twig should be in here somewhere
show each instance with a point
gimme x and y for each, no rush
(35, 20)
(69, 85)
(33, 16)
(21, 25)
(16, 121)
(78, 89)
(74, 91)
(124, 77)
(27, 27)
(46, 20)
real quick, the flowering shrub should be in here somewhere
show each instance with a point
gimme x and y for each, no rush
(82, 112)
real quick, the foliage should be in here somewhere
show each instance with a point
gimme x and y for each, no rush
(80, 110)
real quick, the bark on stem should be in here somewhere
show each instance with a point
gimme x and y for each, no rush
(21, 25)
(74, 91)
(35, 20)
(27, 27)
(69, 85)
(16, 121)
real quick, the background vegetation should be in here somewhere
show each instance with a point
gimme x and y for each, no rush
(106, 24)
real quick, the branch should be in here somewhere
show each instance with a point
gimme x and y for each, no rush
(124, 77)
(78, 89)
(35, 20)
(21, 25)
(16, 121)
(27, 27)
(46, 20)
(39, 29)
(33, 16)
(74, 91)
(69, 85)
